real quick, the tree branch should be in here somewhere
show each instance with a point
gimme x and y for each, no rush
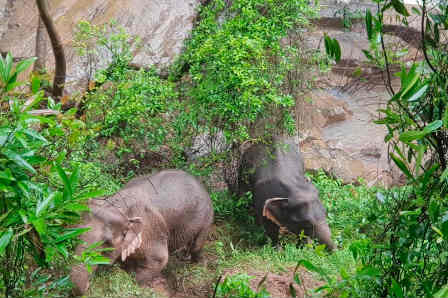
(58, 49)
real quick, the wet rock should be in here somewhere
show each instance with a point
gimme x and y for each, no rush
(337, 135)
(162, 25)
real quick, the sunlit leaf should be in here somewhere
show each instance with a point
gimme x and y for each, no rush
(400, 8)
(400, 164)
(416, 96)
(24, 64)
(396, 289)
(17, 159)
(43, 204)
(71, 234)
(442, 293)
(5, 239)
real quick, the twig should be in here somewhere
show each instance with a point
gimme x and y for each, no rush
(216, 287)
(389, 82)
(423, 37)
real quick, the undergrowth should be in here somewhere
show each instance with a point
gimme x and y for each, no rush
(238, 246)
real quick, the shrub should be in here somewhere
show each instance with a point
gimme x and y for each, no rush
(33, 215)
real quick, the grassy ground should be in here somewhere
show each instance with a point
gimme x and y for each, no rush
(237, 246)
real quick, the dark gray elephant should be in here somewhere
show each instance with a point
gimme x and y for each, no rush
(150, 217)
(282, 197)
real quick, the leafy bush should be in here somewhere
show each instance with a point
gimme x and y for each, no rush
(33, 215)
(237, 65)
(407, 255)
(238, 286)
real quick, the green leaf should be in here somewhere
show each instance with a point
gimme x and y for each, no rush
(63, 250)
(7, 175)
(411, 135)
(2, 70)
(292, 290)
(337, 50)
(410, 80)
(429, 173)
(35, 135)
(400, 164)
(418, 161)
(17, 159)
(396, 289)
(370, 272)
(332, 48)
(400, 8)
(35, 84)
(92, 194)
(76, 207)
(368, 20)
(437, 230)
(74, 178)
(417, 12)
(40, 226)
(99, 260)
(43, 204)
(68, 192)
(327, 43)
(5, 239)
(367, 54)
(444, 175)
(308, 265)
(13, 85)
(71, 234)
(8, 67)
(433, 126)
(418, 94)
(442, 293)
(24, 64)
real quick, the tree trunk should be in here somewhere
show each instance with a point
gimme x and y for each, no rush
(58, 50)
(41, 47)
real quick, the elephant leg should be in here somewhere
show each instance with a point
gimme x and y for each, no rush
(80, 279)
(198, 244)
(272, 230)
(150, 270)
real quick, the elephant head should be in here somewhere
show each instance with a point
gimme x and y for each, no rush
(110, 226)
(301, 214)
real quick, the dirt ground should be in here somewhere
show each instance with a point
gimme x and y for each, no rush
(188, 280)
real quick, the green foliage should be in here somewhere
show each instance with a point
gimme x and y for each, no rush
(115, 282)
(332, 48)
(109, 40)
(9, 72)
(237, 66)
(238, 286)
(406, 256)
(134, 107)
(348, 207)
(348, 15)
(33, 215)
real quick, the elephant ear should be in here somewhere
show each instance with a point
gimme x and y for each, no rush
(133, 237)
(272, 209)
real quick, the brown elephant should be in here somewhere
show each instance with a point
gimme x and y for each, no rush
(145, 221)
(282, 197)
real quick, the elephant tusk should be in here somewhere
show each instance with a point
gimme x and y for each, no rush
(123, 255)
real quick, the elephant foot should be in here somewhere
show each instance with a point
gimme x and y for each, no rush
(160, 287)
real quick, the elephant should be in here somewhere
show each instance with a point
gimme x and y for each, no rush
(283, 198)
(150, 217)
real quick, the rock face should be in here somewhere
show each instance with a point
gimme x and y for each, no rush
(336, 128)
(337, 135)
(163, 25)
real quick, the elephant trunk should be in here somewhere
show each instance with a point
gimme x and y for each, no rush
(323, 234)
